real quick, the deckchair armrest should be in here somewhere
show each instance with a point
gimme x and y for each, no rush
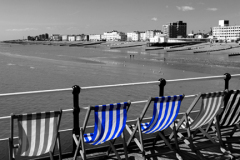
(16, 146)
(75, 138)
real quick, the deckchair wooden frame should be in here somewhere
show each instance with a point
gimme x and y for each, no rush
(80, 140)
(160, 134)
(191, 134)
(12, 147)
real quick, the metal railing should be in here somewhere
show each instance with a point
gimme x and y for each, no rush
(76, 92)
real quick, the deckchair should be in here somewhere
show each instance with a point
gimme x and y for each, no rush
(165, 110)
(37, 134)
(110, 122)
(229, 116)
(211, 106)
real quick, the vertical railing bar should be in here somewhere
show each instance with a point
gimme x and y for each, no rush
(76, 111)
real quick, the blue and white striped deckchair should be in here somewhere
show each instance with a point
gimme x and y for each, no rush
(211, 106)
(110, 121)
(165, 111)
(38, 134)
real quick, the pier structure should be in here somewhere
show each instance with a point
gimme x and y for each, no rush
(76, 93)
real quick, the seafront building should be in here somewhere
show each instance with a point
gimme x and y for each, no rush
(133, 36)
(159, 38)
(152, 33)
(114, 36)
(226, 33)
(175, 30)
(64, 37)
(82, 37)
(71, 38)
(95, 37)
(142, 36)
(56, 37)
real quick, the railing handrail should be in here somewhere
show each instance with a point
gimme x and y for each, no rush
(119, 85)
(70, 110)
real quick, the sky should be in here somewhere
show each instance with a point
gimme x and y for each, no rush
(22, 18)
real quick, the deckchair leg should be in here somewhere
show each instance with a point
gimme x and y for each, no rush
(59, 147)
(51, 155)
(222, 145)
(175, 136)
(176, 141)
(207, 135)
(132, 136)
(141, 139)
(125, 146)
(161, 134)
(114, 149)
(10, 145)
(200, 156)
(110, 148)
(82, 150)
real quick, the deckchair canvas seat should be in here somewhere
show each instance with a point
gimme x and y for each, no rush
(38, 134)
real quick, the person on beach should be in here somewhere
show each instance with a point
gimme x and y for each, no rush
(130, 56)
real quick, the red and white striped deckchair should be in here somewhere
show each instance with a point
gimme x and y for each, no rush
(37, 134)
(211, 106)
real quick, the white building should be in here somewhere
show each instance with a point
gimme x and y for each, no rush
(71, 38)
(115, 36)
(95, 37)
(160, 38)
(82, 37)
(150, 34)
(133, 36)
(225, 32)
(142, 36)
(64, 37)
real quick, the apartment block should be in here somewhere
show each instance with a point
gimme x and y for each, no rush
(175, 30)
(226, 32)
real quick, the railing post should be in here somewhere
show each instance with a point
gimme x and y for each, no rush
(76, 111)
(162, 83)
(228, 77)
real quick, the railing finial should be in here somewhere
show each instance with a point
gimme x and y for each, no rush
(162, 83)
(228, 77)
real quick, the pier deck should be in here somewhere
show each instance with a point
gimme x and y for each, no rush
(212, 153)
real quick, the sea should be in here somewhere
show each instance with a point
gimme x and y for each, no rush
(46, 67)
